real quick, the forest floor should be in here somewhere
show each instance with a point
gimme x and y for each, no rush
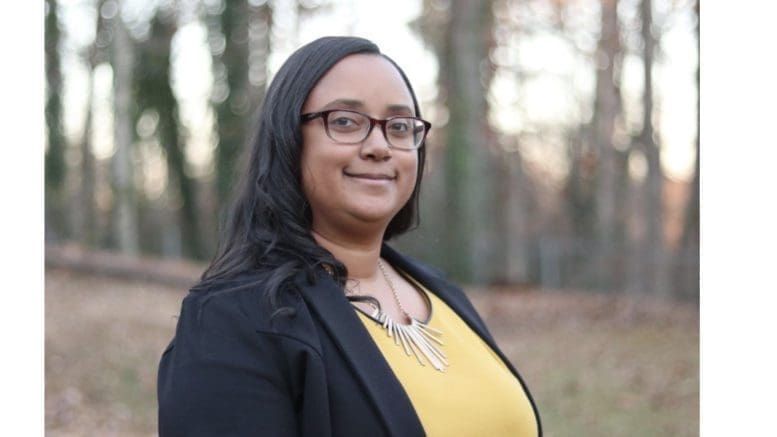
(597, 364)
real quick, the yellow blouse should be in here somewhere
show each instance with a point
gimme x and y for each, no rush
(476, 395)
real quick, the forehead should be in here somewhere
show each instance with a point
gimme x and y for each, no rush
(366, 78)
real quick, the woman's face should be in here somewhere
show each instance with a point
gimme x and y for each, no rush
(349, 186)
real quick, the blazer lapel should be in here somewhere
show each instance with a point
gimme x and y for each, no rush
(327, 300)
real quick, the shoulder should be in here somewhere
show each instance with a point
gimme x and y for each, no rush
(239, 311)
(235, 365)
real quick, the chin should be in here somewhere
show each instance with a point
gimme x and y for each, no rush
(374, 215)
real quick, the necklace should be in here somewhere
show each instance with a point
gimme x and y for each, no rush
(416, 337)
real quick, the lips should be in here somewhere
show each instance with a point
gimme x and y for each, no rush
(371, 176)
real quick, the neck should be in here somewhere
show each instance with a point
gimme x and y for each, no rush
(360, 257)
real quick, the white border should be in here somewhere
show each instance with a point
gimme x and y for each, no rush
(21, 169)
(739, 156)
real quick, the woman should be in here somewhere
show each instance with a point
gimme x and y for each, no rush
(306, 322)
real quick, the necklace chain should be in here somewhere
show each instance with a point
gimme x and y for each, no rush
(416, 337)
(393, 290)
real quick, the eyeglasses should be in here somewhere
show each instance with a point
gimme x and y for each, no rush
(344, 126)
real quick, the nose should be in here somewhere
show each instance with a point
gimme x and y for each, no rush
(375, 146)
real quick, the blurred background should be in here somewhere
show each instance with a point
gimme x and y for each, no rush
(562, 186)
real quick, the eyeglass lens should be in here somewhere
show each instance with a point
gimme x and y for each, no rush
(353, 127)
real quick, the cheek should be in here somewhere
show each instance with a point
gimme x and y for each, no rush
(309, 176)
(412, 171)
(308, 180)
(320, 173)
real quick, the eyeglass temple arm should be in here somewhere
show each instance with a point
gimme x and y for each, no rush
(310, 116)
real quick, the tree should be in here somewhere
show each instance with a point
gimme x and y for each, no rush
(85, 215)
(125, 214)
(515, 190)
(686, 256)
(230, 30)
(607, 109)
(463, 43)
(154, 92)
(593, 187)
(55, 167)
(653, 239)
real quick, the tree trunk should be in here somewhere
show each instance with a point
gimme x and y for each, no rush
(155, 92)
(232, 75)
(86, 223)
(607, 107)
(55, 167)
(260, 27)
(85, 214)
(470, 189)
(687, 254)
(125, 204)
(653, 241)
(515, 235)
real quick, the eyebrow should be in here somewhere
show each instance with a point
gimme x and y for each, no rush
(358, 104)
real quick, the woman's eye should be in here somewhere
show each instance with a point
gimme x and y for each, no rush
(346, 122)
(342, 121)
(399, 126)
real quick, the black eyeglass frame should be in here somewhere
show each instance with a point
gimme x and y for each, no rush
(373, 121)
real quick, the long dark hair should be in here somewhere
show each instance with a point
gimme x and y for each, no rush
(268, 226)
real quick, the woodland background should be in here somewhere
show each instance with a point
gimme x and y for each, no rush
(555, 190)
(575, 195)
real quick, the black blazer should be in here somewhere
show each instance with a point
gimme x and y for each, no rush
(232, 370)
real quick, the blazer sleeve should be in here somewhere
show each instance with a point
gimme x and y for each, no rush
(221, 376)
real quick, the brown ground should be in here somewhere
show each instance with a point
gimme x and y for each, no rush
(598, 365)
